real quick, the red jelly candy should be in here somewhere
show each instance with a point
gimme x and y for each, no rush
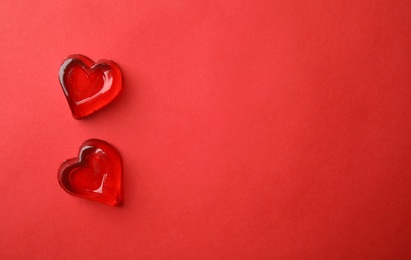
(95, 174)
(89, 85)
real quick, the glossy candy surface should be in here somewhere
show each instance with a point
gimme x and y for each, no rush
(96, 174)
(88, 85)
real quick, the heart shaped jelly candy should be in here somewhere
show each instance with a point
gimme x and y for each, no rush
(95, 174)
(87, 85)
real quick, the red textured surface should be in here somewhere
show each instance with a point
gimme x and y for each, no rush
(247, 129)
(88, 85)
(95, 174)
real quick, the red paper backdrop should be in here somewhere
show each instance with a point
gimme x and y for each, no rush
(248, 129)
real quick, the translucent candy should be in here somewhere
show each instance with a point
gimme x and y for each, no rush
(87, 85)
(96, 174)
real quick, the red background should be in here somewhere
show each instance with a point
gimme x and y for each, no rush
(248, 129)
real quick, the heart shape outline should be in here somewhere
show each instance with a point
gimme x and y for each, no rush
(108, 159)
(110, 74)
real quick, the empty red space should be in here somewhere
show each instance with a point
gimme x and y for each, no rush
(247, 129)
